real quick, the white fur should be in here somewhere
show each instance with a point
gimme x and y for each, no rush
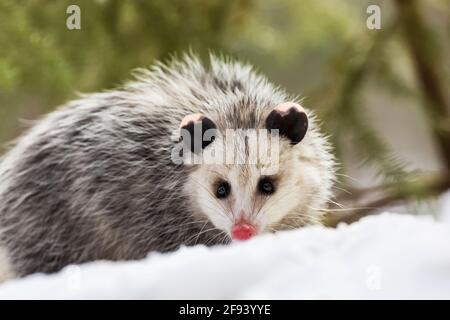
(6, 272)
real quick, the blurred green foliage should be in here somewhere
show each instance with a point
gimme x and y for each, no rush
(42, 63)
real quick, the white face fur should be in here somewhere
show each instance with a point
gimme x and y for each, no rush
(229, 195)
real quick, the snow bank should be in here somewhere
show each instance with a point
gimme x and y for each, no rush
(386, 256)
(444, 207)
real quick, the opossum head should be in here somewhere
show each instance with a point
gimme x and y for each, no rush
(249, 182)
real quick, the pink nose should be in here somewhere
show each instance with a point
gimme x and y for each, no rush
(243, 231)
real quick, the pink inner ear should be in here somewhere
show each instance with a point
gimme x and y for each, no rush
(191, 118)
(286, 106)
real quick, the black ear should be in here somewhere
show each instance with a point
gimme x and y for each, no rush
(291, 121)
(193, 128)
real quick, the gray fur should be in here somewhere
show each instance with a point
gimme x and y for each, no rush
(94, 179)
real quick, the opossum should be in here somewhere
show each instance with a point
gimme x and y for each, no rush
(96, 178)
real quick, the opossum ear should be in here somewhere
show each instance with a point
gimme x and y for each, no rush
(197, 132)
(291, 121)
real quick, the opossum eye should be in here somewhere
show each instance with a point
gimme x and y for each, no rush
(223, 190)
(291, 121)
(197, 131)
(265, 186)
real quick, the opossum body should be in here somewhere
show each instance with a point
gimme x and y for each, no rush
(95, 178)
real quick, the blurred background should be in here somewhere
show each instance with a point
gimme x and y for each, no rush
(383, 95)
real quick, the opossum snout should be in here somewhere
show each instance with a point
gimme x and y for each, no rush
(242, 231)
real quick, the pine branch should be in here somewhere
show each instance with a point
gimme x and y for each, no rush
(364, 202)
(426, 59)
(347, 115)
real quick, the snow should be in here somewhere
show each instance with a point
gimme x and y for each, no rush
(444, 207)
(380, 257)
